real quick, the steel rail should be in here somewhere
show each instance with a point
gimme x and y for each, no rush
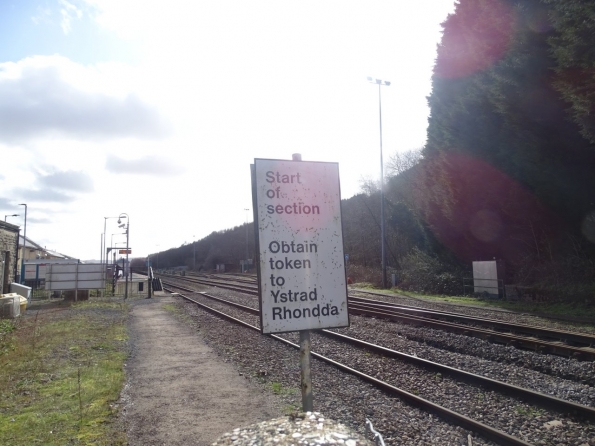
(532, 396)
(579, 338)
(572, 319)
(217, 283)
(539, 345)
(456, 418)
(414, 316)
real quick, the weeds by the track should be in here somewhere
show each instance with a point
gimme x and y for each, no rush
(566, 310)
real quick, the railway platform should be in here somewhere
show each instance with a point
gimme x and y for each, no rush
(179, 391)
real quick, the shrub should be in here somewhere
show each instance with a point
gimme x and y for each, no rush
(424, 273)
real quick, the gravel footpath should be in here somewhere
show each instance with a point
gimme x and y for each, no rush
(178, 390)
(531, 423)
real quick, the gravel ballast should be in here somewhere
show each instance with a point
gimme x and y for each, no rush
(349, 400)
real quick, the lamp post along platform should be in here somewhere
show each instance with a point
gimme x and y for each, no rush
(126, 265)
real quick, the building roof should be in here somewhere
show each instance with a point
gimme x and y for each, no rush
(32, 245)
(9, 226)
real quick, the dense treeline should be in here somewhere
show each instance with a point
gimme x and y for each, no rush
(222, 247)
(508, 170)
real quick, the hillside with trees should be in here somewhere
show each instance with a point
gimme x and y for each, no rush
(508, 170)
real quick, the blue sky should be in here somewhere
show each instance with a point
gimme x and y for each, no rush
(30, 27)
(157, 109)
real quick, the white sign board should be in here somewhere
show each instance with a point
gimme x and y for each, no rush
(485, 277)
(30, 272)
(300, 241)
(81, 276)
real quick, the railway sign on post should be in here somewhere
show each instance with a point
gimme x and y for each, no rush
(301, 266)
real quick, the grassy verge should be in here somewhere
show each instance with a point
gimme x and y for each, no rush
(61, 374)
(570, 310)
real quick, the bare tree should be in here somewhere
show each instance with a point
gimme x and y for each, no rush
(402, 161)
(369, 186)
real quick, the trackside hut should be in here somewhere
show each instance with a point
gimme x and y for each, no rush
(300, 239)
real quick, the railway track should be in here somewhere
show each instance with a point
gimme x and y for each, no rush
(579, 346)
(494, 434)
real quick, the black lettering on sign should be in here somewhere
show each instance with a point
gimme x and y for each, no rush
(293, 296)
(284, 247)
(289, 264)
(284, 313)
(278, 177)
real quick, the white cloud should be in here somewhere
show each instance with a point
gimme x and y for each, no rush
(146, 165)
(52, 96)
(69, 12)
(43, 195)
(238, 79)
(43, 16)
(68, 180)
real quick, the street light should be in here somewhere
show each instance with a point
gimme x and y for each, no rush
(127, 225)
(380, 83)
(246, 263)
(24, 244)
(12, 215)
(103, 248)
(112, 244)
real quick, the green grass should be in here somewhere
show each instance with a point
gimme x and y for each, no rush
(177, 312)
(557, 309)
(60, 381)
(290, 409)
(529, 411)
(280, 389)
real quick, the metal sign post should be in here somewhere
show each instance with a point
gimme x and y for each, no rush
(306, 377)
(301, 266)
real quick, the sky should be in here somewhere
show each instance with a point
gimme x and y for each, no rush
(156, 109)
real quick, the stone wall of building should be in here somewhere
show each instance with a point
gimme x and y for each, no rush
(9, 236)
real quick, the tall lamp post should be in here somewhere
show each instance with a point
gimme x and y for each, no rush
(24, 245)
(380, 83)
(127, 226)
(104, 242)
(104, 251)
(246, 263)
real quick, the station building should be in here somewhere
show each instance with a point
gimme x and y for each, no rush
(9, 245)
(35, 254)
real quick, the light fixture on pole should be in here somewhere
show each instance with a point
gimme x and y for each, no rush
(11, 215)
(24, 244)
(380, 83)
(127, 226)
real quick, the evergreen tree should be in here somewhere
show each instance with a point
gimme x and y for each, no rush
(504, 167)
